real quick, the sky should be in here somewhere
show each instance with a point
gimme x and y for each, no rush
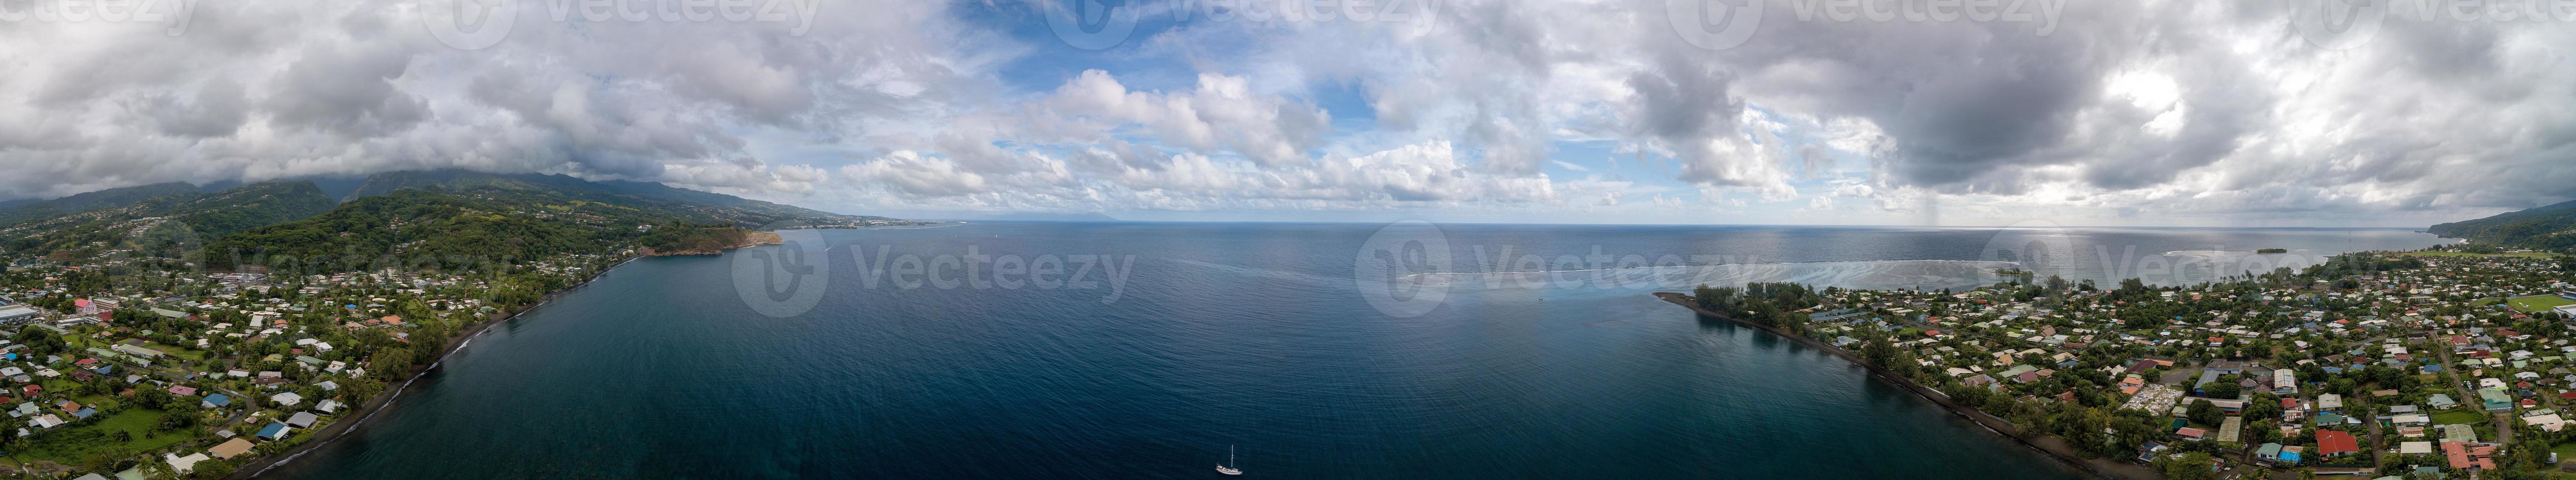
(1875, 112)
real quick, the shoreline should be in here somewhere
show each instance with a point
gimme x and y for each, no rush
(358, 416)
(2056, 448)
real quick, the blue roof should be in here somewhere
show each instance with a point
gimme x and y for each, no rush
(272, 430)
(85, 412)
(219, 400)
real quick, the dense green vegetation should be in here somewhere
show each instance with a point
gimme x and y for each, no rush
(444, 220)
(1774, 304)
(463, 220)
(170, 225)
(731, 209)
(109, 198)
(436, 230)
(2543, 228)
(697, 237)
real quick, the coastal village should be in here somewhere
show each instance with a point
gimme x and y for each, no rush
(122, 369)
(2406, 365)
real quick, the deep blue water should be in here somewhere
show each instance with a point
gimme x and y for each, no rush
(1299, 342)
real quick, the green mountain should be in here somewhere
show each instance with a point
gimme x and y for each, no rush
(481, 223)
(2550, 227)
(730, 208)
(109, 198)
(168, 223)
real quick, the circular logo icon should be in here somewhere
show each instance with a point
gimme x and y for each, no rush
(469, 24)
(783, 280)
(2033, 244)
(1092, 24)
(1399, 269)
(1714, 24)
(2339, 24)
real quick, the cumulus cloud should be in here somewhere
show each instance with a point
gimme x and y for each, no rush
(2210, 110)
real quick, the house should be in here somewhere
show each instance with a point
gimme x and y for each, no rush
(287, 399)
(2494, 399)
(230, 448)
(183, 464)
(274, 431)
(2191, 433)
(2329, 403)
(216, 401)
(2441, 402)
(2468, 457)
(2331, 443)
(2415, 448)
(183, 390)
(303, 420)
(2270, 452)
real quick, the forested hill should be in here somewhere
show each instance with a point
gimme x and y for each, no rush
(2551, 227)
(481, 225)
(436, 219)
(172, 220)
(730, 208)
(109, 198)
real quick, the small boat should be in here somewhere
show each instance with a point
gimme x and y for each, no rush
(1229, 458)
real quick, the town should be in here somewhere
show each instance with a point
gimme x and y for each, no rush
(2404, 365)
(121, 368)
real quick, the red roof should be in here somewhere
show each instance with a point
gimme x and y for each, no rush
(2330, 442)
(2191, 432)
(2463, 456)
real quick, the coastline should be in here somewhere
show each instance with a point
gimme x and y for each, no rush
(2055, 447)
(358, 416)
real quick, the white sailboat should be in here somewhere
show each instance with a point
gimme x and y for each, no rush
(1229, 459)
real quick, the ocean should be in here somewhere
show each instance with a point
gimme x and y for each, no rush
(1138, 350)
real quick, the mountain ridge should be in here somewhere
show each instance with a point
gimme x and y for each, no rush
(2547, 227)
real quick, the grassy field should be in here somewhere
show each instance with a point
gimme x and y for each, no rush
(72, 445)
(2536, 303)
(2462, 254)
(2449, 417)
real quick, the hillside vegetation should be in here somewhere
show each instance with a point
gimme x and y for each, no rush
(2545, 228)
(170, 223)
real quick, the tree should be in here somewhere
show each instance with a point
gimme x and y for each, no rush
(2205, 413)
(392, 362)
(2223, 388)
(2191, 466)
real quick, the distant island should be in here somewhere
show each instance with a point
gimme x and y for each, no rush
(2269, 251)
